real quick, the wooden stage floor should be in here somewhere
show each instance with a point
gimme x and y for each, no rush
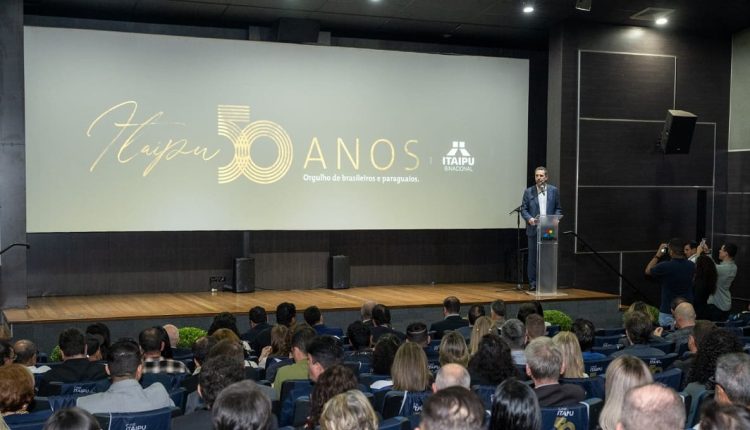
(43, 310)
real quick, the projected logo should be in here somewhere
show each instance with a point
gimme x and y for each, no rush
(234, 124)
(458, 158)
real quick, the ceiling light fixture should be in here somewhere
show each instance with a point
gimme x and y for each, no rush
(584, 5)
(661, 21)
(528, 6)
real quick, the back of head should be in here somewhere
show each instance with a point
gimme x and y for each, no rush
(685, 313)
(498, 308)
(286, 313)
(302, 337)
(227, 348)
(515, 406)
(409, 370)
(384, 353)
(623, 373)
(25, 352)
(94, 344)
(325, 350)
(653, 407)
(475, 311)
(451, 375)
(514, 332)
(102, 330)
(124, 359)
(544, 359)
(724, 417)
(201, 347)
(638, 327)
(257, 315)
(174, 334)
(718, 343)
(454, 408)
(280, 340)
(150, 340)
(452, 304)
(492, 361)
(366, 310)
(359, 335)
(224, 320)
(453, 349)
(584, 331)
(567, 343)
(312, 315)
(6, 351)
(702, 329)
(72, 419)
(730, 248)
(677, 246)
(347, 411)
(242, 406)
(733, 376)
(218, 373)
(335, 380)
(16, 388)
(524, 310)
(225, 334)
(535, 326)
(417, 332)
(381, 315)
(72, 342)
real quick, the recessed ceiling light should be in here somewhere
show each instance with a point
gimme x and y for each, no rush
(528, 8)
(661, 21)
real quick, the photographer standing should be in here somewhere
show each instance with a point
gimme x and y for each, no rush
(720, 302)
(675, 276)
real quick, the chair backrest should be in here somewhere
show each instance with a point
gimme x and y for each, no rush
(667, 347)
(609, 331)
(694, 416)
(596, 367)
(594, 386)
(671, 378)
(395, 423)
(607, 350)
(368, 378)
(82, 388)
(290, 385)
(301, 411)
(179, 398)
(581, 416)
(158, 419)
(404, 403)
(612, 340)
(30, 421)
(486, 393)
(170, 381)
(62, 401)
(659, 363)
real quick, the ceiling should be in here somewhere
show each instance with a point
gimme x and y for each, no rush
(483, 22)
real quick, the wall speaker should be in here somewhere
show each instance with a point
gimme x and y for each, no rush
(339, 273)
(244, 275)
(296, 30)
(678, 132)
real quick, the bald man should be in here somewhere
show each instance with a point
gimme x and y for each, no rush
(451, 375)
(653, 407)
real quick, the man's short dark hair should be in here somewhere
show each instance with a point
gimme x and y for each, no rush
(72, 342)
(285, 313)
(691, 244)
(223, 320)
(218, 373)
(257, 315)
(677, 246)
(417, 332)
(524, 310)
(302, 337)
(325, 350)
(72, 419)
(201, 347)
(241, 406)
(638, 326)
(452, 304)
(535, 326)
(730, 249)
(498, 307)
(359, 335)
(475, 311)
(124, 359)
(6, 351)
(150, 340)
(94, 342)
(381, 314)
(452, 408)
(585, 332)
(312, 315)
(228, 348)
(25, 352)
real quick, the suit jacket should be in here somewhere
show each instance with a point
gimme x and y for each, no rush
(72, 370)
(559, 395)
(530, 205)
(381, 330)
(251, 336)
(127, 396)
(450, 322)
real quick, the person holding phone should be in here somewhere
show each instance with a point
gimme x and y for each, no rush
(675, 276)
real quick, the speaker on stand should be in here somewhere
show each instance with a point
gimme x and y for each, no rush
(244, 275)
(339, 275)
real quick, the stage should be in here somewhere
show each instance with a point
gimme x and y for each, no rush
(127, 314)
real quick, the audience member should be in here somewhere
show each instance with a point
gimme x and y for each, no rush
(94, 346)
(286, 314)
(75, 367)
(348, 411)
(712, 347)
(152, 345)
(497, 312)
(314, 318)
(126, 394)
(335, 380)
(535, 327)
(701, 329)
(102, 330)
(409, 370)
(638, 329)
(585, 331)
(452, 317)
(16, 389)
(26, 354)
(475, 311)
(624, 373)
(524, 310)
(567, 343)
(224, 320)
(720, 302)
(451, 375)
(733, 379)
(544, 364)
(684, 316)
(322, 353)
(279, 349)
(492, 363)
(7, 355)
(174, 335)
(382, 359)
(358, 334)
(417, 332)
(366, 312)
(298, 370)
(258, 320)
(704, 284)
(72, 419)
(675, 277)
(516, 407)
(482, 326)
(453, 349)
(724, 417)
(200, 349)
(454, 408)
(514, 333)
(653, 407)
(381, 317)
(242, 406)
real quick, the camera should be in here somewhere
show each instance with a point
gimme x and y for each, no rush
(664, 250)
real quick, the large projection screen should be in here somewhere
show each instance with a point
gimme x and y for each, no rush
(134, 132)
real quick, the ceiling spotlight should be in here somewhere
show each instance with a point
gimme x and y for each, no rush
(661, 21)
(528, 7)
(584, 5)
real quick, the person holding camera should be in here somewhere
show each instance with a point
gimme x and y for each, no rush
(720, 300)
(675, 276)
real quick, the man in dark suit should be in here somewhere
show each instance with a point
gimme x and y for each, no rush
(452, 320)
(539, 199)
(76, 366)
(258, 323)
(544, 364)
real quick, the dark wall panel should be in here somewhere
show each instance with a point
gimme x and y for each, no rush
(737, 205)
(626, 86)
(738, 173)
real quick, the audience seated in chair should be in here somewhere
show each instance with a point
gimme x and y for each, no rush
(452, 408)
(725, 417)
(335, 380)
(684, 316)
(653, 407)
(382, 360)
(452, 317)
(516, 407)
(417, 332)
(535, 327)
(242, 406)
(482, 326)
(638, 328)
(453, 349)
(718, 343)
(409, 370)
(278, 351)
(314, 318)
(568, 345)
(544, 364)
(492, 363)
(258, 320)
(16, 389)
(514, 333)
(732, 379)
(365, 313)
(475, 311)
(451, 375)
(26, 355)
(585, 331)
(348, 410)
(358, 335)
(286, 315)
(623, 373)
(72, 419)
(153, 345)
(76, 366)
(381, 317)
(299, 370)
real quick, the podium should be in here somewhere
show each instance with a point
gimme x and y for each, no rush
(547, 230)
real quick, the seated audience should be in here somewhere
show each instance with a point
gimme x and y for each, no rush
(724, 417)
(516, 407)
(451, 375)
(544, 364)
(719, 342)
(366, 312)
(279, 349)
(358, 334)
(16, 389)
(76, 367)
(497, 312)
(453, 408)
(286, 314)
(624, 373)
(417, 332)
(72, 419)
(299, 370)
(482, 326)
(567, 343)
(102, 330)
(382, 359)
(200, 350)
(638, 328)
(94, 348)
(535, 326)
(733, 379)
(174, 335)
(258, 320)
(335, 380)
(153, 345)
(381, 317)
(514, 333)
(585, 331)
(409, 370)
(26, 354)
(348, 411)
(653, 407)
(475, 311)
(526, 309)
(684, 322)
(452, 317)
(126, 394)
(7, 355)
(314, 318)
(224, 320)
(242, 406)
(453, 349)
(492, 362)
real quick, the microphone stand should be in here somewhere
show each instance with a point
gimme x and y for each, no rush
(15, 244)
(606, 263)
(519, 270)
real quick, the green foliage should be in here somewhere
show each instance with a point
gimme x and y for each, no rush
(558, 318)
(188, 336)
(56, 354)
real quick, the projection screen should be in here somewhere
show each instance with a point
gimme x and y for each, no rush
(134, 132)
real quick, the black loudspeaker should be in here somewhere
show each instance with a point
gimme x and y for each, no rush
(338, 273)
(678, 132)
(244, 275)
(296, 30)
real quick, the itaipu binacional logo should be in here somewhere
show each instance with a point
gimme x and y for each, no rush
(235, 125)
(458, 158)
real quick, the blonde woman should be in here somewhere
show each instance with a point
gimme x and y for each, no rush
(568, 344)
(349, 410)
(623, 373)
(409, 370)
(453, 349)
(482, 326)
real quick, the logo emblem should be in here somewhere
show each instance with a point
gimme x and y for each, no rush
(458, 158)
